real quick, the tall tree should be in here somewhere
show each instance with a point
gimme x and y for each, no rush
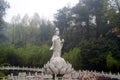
(3, 6)
(62, 19)
(96, 9)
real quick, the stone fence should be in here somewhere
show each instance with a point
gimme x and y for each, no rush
(76, 75)
(37, 74)
(91, 75)
(29, 76)
(21, 69)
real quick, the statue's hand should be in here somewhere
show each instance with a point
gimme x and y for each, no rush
(63, 40)
(51, 48)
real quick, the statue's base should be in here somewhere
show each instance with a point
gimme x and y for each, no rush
(57, 65)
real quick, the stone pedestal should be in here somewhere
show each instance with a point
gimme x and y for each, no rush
(57, 65)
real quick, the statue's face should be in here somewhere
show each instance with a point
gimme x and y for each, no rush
(57, 32)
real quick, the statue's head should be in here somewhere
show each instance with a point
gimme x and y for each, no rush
(57, 32)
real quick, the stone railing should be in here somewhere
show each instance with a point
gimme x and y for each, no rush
(75, 75)
(21, 69)
(29, 76)
(91, 75)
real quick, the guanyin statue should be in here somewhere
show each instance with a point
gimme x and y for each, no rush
(57, 64)
(57, 44)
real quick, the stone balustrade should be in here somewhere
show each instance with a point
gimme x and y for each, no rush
(91, 75)
(75, 75)
(29, 76)
(21, 68)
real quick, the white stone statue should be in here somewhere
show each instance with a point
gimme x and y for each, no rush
(57, 65)
(57, 44)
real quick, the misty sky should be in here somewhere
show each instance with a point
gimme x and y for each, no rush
(45, 8)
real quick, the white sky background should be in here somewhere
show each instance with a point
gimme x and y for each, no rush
(45, 8)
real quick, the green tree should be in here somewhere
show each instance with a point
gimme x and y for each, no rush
(112, 63)
(62, 19)
(29, 30)
(3, 6)
(74, 57)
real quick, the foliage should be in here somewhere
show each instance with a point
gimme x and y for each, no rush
(29, 55)
(74, 57)
(34, 30)
(3, 6)
(2, 74)
(111, 62)
(94, 53)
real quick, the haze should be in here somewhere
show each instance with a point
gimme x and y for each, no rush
(45, 8)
